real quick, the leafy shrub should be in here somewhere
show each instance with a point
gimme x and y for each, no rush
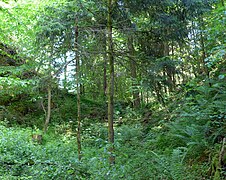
(22, 158)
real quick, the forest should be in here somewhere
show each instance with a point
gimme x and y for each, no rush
(113, 89)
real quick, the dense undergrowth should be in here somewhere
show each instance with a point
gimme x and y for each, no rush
(182, 141)
(56, 158)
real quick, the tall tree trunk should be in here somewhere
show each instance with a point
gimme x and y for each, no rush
(48, 109)
(204, 53)
(48, 115)
(111, 83)
(78, 93)
(133, 68)
(203, 49)
(105, 65)
(105, 77)
(65, 74)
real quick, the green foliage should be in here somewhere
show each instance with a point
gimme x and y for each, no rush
(20, 157)
(177, 137)
(138, 157)
(216, 40)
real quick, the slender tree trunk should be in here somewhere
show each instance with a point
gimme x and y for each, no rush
(78, 93)
(133, 68)
(204, 53)
(48, 115)
(164, 87)
(105, 77)
(65, 75)
(110, 84)
(105, 65)
(172, 49)
(48, 109)
(147, 98)
(203, 49)
(169, 72)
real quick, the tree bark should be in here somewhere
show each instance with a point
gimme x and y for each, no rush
(105, 66)
(48, 109)
(110, 84)
(133, 68)
(65, 74)
(48, 115)
(203, 49)
(78, 93)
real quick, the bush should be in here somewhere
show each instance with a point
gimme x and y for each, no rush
(20, 157)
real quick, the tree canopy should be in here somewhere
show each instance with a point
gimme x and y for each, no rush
(112, 89)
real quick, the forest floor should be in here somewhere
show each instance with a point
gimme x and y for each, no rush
(145, 147)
